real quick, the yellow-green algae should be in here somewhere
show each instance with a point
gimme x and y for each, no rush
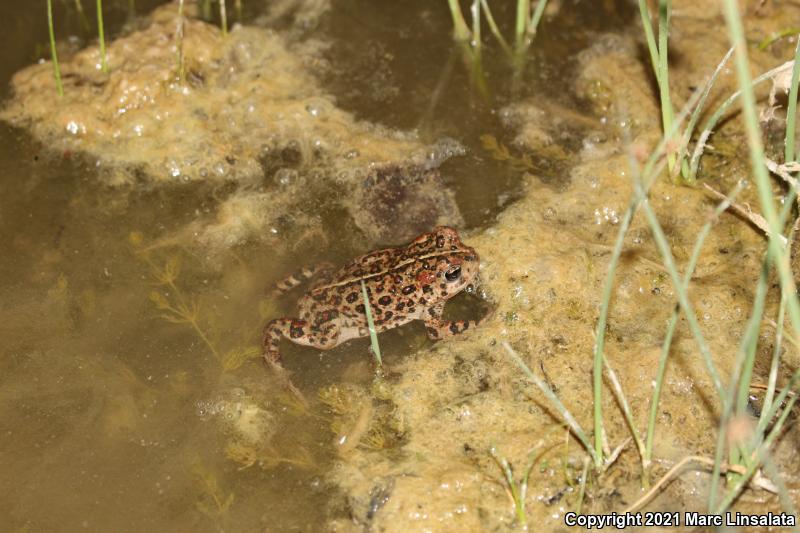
(250, 112)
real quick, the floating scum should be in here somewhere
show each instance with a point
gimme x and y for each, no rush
(182, 102)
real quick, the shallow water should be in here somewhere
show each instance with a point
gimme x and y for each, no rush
(116, 419)
(132, 393)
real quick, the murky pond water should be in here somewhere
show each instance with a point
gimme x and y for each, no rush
(134, 279)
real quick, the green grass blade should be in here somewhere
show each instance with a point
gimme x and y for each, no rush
(101, 37)
(179, 48)
(494, 29)
(667, 114)
(650, 38)
(626, 409)
(652, 169)
(533, 25)
(460, 28)
(520, 29)
(768, 210)
(673, 322)
(748, 346)
(757, 162)
(475, 12)
(689, 131)
(745, 478)
(776, 360)
(373, 334)
(223, 17)
(740, 373)
(53, 53)
(554, 401)
(683, 298)
(711, 123)
(791, 108)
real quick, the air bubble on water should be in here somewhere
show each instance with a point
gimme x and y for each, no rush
(313, 110)
(517, 291)
(352, 154)
(74, 128)
(286, 176)
(173, 168)
(606, 214)
(220, 170)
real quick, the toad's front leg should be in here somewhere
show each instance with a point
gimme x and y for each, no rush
(323, 336)
(440, 329)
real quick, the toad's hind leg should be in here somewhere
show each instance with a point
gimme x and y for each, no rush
(440, 329)
(296, 278)
(323, 336)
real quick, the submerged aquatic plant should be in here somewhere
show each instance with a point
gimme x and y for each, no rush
(214, 502)
(53, 53)
(178, 308)
(500, 152)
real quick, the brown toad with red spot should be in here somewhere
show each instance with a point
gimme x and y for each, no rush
(403, 284)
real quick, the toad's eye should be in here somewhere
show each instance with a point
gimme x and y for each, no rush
(453, 274)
